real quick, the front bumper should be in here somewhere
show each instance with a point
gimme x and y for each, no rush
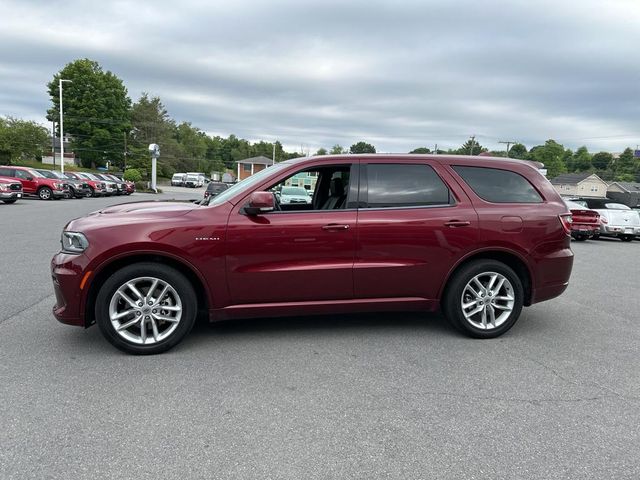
(67, 272)
(61, 193)
(10, 195)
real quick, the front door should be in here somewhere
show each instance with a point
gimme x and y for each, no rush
(302, 252)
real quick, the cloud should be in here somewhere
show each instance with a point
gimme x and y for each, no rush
(397, 74)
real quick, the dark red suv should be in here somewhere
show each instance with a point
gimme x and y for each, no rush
(478, 237)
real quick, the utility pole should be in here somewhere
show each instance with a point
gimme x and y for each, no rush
(274, 153)
(60, 81)
(435, 150)
(473, 142)
(508, 143)
(124, 167)
(53, 143)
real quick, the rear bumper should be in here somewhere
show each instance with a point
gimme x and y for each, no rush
(619, 230)
(552, 273)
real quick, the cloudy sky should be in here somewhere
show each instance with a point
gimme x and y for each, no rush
(315, 73)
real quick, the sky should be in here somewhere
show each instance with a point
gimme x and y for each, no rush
(397, 74)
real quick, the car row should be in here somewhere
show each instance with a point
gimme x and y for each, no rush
(51, 184)
(190, 179)
(613, 219)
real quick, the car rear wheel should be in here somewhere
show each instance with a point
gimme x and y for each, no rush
(45, 193)
(484, 299)
(626, 238)
(146, 308)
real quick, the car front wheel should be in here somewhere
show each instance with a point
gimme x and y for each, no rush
(484, 299)
(146, 308)
(45, 193)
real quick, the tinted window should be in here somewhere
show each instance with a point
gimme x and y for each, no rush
(404, 185)
(6, 172)
(499, 186)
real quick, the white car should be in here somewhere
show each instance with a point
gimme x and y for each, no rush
(294, 195)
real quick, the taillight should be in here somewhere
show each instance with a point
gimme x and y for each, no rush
(566, 221)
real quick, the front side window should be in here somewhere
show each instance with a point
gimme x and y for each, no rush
(404, 185)
(498, 186)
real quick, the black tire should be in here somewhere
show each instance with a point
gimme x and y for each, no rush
(9, 202)
(45, 193)
(452, 300)
(581, 238)
(626, 238)
(167, 274)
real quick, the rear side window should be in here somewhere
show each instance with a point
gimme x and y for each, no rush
(404, 185)
(6, 172)
(499, 186)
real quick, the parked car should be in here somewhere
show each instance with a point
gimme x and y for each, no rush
(194, 180)
(34, 183)
(123, 185)
(478, 237)
(178, 179)
(120, 186)
(214, 188)
(585, 223)
(621, 221)
(77, 188)
(294, 195)
(10, 190)
(110, 188)
(96, 187)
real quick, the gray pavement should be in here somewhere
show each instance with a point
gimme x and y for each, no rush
(364, 396)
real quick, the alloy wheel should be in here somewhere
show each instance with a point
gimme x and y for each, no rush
(145, 310)
(487, 300)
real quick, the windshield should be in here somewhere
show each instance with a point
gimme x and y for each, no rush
(294, 191)
(47, 173)
(90, 176)
(177, 176)
(248, 183)
(36, 173)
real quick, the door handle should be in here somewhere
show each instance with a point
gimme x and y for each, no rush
(457, 223)
(335, 227)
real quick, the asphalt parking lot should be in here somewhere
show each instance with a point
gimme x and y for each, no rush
(368, 396)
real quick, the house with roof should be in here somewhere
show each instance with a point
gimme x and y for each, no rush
(580, 185)
(625, 192)
(249, 166)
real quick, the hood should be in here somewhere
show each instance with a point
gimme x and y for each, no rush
(160, 208)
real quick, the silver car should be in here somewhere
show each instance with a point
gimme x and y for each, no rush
(617, 220)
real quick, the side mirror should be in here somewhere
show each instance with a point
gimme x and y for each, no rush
(260, 202)
(30, 178)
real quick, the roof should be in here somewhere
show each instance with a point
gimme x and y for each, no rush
(571, 178)
(629, 186)
(261, 160)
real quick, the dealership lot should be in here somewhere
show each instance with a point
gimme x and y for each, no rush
(367, 396)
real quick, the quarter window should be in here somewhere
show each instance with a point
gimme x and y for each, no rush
(499, 186)
(404, 185)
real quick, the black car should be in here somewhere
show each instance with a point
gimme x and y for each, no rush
(214, 188)
(77, 188)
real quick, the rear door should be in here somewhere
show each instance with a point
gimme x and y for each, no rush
(414, 223)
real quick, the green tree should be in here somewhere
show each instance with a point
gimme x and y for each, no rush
(471, 147)
(625, 165)
(362, 147)
(96, 111)
(132, 175)
(336, 150)
(518, 151)
(22, 140)
(581, 160)
(551, 154)
(602, 160)
(321, 151)
(420, 150)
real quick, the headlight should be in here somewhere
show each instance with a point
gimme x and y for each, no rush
(74, 242)
(5, 187)
(58, 186)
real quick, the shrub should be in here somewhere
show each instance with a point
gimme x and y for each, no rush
(132, 175)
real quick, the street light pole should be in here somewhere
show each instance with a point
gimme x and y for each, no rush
(60, 81)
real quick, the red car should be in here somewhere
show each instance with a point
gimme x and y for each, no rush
(10, 190)
(585, 222)
(34, 183)
(96, 187)
(478, 237)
